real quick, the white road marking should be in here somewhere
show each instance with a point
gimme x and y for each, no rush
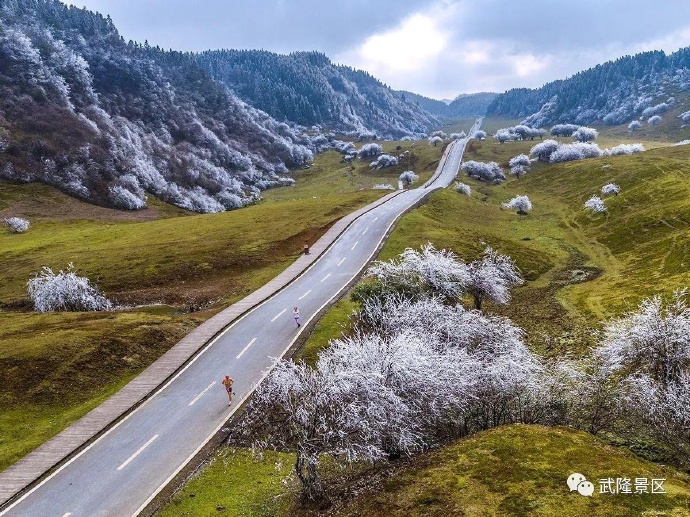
(141, 449)
(341, 260)
(278, 315)
(201, 394)
(353, 247)
(375, 218)
(365, 230)
(67, 514)
(248, 345)
(305, 294)
(324, 278)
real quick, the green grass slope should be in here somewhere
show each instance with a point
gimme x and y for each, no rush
(513, 470)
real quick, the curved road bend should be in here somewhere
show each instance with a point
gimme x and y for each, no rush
(119, 473)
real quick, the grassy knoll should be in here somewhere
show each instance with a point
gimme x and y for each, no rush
(513, 470)
(56, 367)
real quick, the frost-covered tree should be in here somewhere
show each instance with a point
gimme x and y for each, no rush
(634, 125)
(458, 136)
(311, 412)
(65, 291)
(505, 134)
(653, 121)
(439, 134)
(595, 204)
(624, 149)
(685, 116)
(435, 140)
(16, 224)
(520, 159)
(491, 278)
(463, 188)
(383, 186)
(575, 151)
(655, 110)
(585, 134)
(654, 340)
(564, 129)
(543, 151)
(384, 161)
(408, 177)
(522, 203)
(479, 134)
(610, 188)
(370, 150)
(489, 171)
(420, 273)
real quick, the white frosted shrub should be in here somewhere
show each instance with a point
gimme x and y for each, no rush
(370, 150)
(65, 291)
(479, 135)
(16, 224)
(384, 161)
(575, 151)
(595, 204)
(624, 149)
(543, 150)
(463, 188)
(522, 203)
(382, 186)
(610, 188)
(634, 125)
(520, 159)
(653, 121)
(458, 136)
(564, 129)
(408, 177)
(489, 171)
(585, 134)
(435, 140)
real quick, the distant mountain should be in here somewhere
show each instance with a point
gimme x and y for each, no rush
(613, 93)
(433, 106)
(307, 88)
(469, 105)
(463, 106)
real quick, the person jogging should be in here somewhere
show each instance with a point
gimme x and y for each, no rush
(228, 382)
(295, 314)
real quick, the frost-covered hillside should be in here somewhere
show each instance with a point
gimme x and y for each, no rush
(615, 92)
(307, 88)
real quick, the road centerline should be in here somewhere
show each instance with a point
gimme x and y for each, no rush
(365, 230)
(247, 347)
(341, 261)
(201, 394)
(324, 278)
(353, 247)
(141, 449)
(278, 315)
(305, 294)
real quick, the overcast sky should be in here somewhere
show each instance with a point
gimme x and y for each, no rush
(436, 48)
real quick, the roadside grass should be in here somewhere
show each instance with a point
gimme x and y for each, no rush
(455, 125)
(183, 267)
(519, 470)
(511, 470)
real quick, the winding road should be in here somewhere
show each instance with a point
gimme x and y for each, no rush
(123, 470)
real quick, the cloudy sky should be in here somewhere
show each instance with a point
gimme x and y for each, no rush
(437, 48)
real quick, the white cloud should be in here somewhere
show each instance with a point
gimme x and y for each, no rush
(407, 48)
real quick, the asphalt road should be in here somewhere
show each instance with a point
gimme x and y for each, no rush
(126, 467)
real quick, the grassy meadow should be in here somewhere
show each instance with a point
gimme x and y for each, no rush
(171, 268)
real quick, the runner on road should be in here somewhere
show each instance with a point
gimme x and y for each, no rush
(228, 382)
(295, 314)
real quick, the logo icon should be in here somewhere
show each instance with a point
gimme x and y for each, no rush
(577, 481)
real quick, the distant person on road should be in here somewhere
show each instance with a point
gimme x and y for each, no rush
(295, 314)
(306, 248)
(228, 382)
